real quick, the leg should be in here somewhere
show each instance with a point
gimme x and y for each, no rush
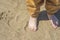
(52, 7)
(33, 8)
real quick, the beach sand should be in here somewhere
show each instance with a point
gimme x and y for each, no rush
(14, 18)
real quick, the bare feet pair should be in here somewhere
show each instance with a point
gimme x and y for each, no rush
(33, 22)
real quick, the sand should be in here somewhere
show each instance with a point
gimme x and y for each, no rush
(13, 20)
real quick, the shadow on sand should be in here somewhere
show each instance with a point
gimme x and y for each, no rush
(43, 16)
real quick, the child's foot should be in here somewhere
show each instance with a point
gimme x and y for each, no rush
(54, 21)
(32, 23)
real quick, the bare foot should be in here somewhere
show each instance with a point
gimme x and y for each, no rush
(32, 24)
(54, 21)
